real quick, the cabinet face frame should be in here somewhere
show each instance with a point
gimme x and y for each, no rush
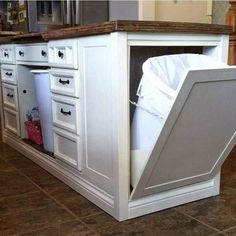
(215, 46)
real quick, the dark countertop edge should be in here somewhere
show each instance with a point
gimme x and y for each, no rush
(28, 38)
(23, 38)
(137, 26)
(119, 26)
(5, 40)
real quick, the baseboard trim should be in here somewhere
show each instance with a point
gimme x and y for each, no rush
(175, 197)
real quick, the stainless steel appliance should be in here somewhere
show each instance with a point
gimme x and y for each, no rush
(36, 16)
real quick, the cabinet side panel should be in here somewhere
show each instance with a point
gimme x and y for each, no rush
(96, 99)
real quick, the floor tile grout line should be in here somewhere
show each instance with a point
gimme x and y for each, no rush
(209, 226)
(226, 230)
(49, 195)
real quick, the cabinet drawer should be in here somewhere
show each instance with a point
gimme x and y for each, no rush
(11, 121)
(8, 73)
(63, 53)
(7, 54)
(65, 112)
(32, 53)
(10, 96)
(65, 82)
(67, 147)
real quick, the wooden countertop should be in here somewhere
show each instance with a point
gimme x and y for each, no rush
(28, 38)
(136, 26)
(5, 36)
(121, 26)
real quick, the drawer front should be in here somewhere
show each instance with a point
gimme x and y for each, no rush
(8, 73)
(11, 121)
(7, 54)
(36, 53)
(10, 96)
(65, 82)
(67, 148)
(65, 112)
(63, 53)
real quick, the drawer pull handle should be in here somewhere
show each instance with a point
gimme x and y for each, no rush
(64, 81)
(43, 53)
(6, 54)
(10, 95)
(21, 53)
(60, 54)
(65, 112)
(8, 73)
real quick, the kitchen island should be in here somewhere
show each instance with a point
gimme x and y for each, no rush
(94, 73)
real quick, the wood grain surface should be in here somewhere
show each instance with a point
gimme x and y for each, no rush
(120, 26)
(136, 26)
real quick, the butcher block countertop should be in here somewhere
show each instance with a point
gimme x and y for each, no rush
(5, 36)
(120, 26)
(136, 26)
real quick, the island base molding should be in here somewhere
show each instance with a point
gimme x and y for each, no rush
(135, 208)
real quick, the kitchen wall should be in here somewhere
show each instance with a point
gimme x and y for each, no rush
(219, 10)
(184, 11)
(123, 10)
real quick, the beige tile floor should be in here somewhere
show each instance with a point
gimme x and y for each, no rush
(33, 202)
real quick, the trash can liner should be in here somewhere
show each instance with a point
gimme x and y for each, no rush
(163, 77)
(160, 84)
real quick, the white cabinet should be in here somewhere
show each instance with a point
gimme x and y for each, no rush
(11, 120)
(63, 53)
(66, 108)
(91, 80)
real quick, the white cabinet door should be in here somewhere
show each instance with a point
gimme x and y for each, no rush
(97, 107)
(11, 121)
(67, 147)
(198, 135)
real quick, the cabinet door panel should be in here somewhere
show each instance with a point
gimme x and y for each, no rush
(97, 105)
(11, 121)
(67, 147)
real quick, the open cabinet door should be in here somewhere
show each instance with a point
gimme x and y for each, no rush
(198, 135)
